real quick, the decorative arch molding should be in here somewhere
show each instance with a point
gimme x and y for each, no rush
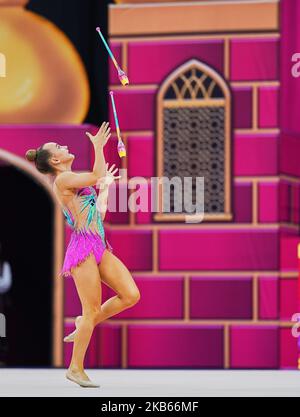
(194, 119)
(58, 250)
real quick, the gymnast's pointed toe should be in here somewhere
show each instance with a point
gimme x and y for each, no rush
(70, 337)
(71, 376)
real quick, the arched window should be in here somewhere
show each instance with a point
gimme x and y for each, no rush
(193, 139)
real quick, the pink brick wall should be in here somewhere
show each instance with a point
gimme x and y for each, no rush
(268, 196)
(212, 298)
(288, 253)
(288, 349)
(17, 139)
(169, 55)
(268, 107)
(268, 298)
(290, 91)
(114, 213)
(242, 202)
(116, 48)
(212, 250)
(295, 207)
(141, 157)
(139, 106)
(288, 300)
(242, 107)
(199, 347)
(104, 350)
(134, 248)
(168, 293)
(186, 255)
(210, 274)
(110, 152)
(289, 151)
(288, 97)
(284, 201)
(254, 347)
(254, 59)
(256, 154)
(144, 214)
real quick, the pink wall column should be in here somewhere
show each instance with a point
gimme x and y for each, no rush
(290, 44)
(289, 164)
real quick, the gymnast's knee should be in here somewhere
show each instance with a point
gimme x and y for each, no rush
(131, 297)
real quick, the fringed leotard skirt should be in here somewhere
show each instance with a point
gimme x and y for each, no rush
(87, 239)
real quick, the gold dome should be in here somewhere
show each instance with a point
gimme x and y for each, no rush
(44, 78)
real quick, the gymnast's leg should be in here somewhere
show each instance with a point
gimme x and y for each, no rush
(87, 280)
(116, 276)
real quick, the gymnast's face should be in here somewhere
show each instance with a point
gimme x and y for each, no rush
(60, 154)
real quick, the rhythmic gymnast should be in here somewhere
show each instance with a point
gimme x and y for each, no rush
(89, 258)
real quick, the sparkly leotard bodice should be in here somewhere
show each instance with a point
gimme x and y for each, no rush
(82, 213)
(88, 234)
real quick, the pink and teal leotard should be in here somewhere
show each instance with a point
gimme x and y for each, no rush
(88, 235)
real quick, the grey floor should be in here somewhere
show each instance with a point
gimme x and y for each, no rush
(150, 383)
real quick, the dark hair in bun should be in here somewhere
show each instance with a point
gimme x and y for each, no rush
(41, 158)
(31, 155)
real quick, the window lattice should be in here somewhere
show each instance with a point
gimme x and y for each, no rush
(194, 146)
(193, 140)
(193, 84)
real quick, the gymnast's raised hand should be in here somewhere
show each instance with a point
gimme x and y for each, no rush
(102, 136)
(109, 177)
